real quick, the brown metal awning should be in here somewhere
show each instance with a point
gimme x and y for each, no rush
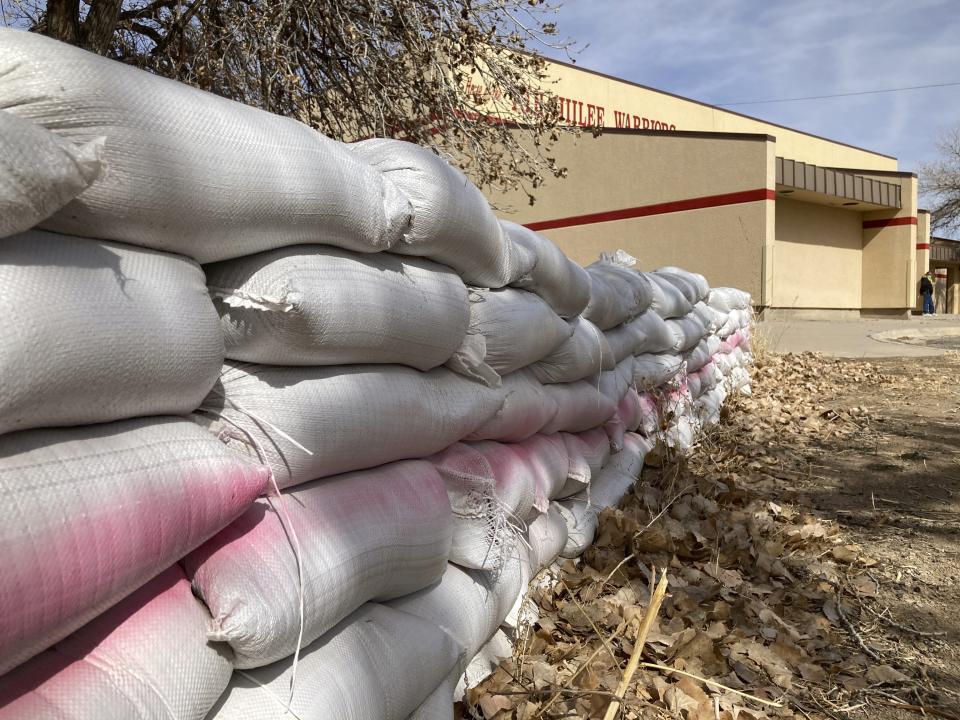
(833, 186)
(944, 250)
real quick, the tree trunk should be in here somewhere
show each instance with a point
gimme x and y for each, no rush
(63, 20)
(100, 24)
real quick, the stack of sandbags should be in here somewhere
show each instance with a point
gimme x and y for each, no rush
(302, 412)
(111, 341)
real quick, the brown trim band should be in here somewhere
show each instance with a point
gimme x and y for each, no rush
(869, 224)
(699, 203)
(923, 246)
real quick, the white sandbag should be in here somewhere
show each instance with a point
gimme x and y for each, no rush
(469, 605)
(611, 299)
(615, 383)
(630, 411)
(526, 409)
(191, 172)
(668, 301)
(623, 339)
(40, 172)
(547, 455)
(707, 407)
(369, 535)
(92, 513)
(547, 536)
(480, 521)
(725, 299)
(580, 406)
(516, 327)
(698, 356)
(739, 381)
(307, 423)
(651, 371)
(516, 487)
(452, 222)
(318, 305)
(97, 331)
(687, 288)
(554, 277)
(695, 385)
(649, 415)
(588, 451)
(439, 703)
(687, 331)
(146, 658)
(485, 662)
(594, 446)
(657, 335)
(376, 664)
(585, 353)
(711, 319)
(580, 512)
(696, 279)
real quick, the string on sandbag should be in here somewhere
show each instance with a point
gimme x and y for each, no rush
(282, 515)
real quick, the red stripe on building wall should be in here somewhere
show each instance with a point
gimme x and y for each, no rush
(868, 224)
(923, 246)
(659, 209)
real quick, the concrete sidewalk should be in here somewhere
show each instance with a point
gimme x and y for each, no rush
(917, 337)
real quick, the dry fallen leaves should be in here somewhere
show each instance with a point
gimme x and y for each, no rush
(754, 582)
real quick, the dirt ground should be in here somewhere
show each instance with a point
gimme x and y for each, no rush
(812, 550)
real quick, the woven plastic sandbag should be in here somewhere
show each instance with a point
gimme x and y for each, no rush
(497, 649)
(526, 409)
(610, 304)
(581, 511)
(480, 519)
(547, 456)
(686, 287)
(585, 353)
(317, 305)
(580, 406)
(652, 371)
(696, 279)
(698, 356)
(649, 415)
(509, 329)
(376, 664)
(615, 383)
(547, 536)
(452, 222)
(146, 658)
(189, 171)
(554, 277)
(657, 335)
(624, 339)
(468, 605)
(724, 299)
(370, 535)
(516, 486)
(687, 331)
(307, 423)
(668, 301)
(711, 319)
(92, 513)
(98, 331)
(579, 470)
(40, 172)
(439, 703)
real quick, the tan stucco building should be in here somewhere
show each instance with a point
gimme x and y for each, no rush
(808, 225)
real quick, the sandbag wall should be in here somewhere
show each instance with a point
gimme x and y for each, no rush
(289, 424)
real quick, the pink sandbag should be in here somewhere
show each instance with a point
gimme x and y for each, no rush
(525, 411)
(480, 519)
(368, 535)
(146, 658)
(547, 456)
(514, 478)
(649, 415)
(588, 451)
(628, 418)
(580, 406)
(92, 513)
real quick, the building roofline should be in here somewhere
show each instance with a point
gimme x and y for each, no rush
(707, 134)
(713, 107)
(887, 173)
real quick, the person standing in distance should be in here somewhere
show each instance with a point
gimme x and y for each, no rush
(926, 291)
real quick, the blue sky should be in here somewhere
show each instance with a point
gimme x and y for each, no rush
(740, 50)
